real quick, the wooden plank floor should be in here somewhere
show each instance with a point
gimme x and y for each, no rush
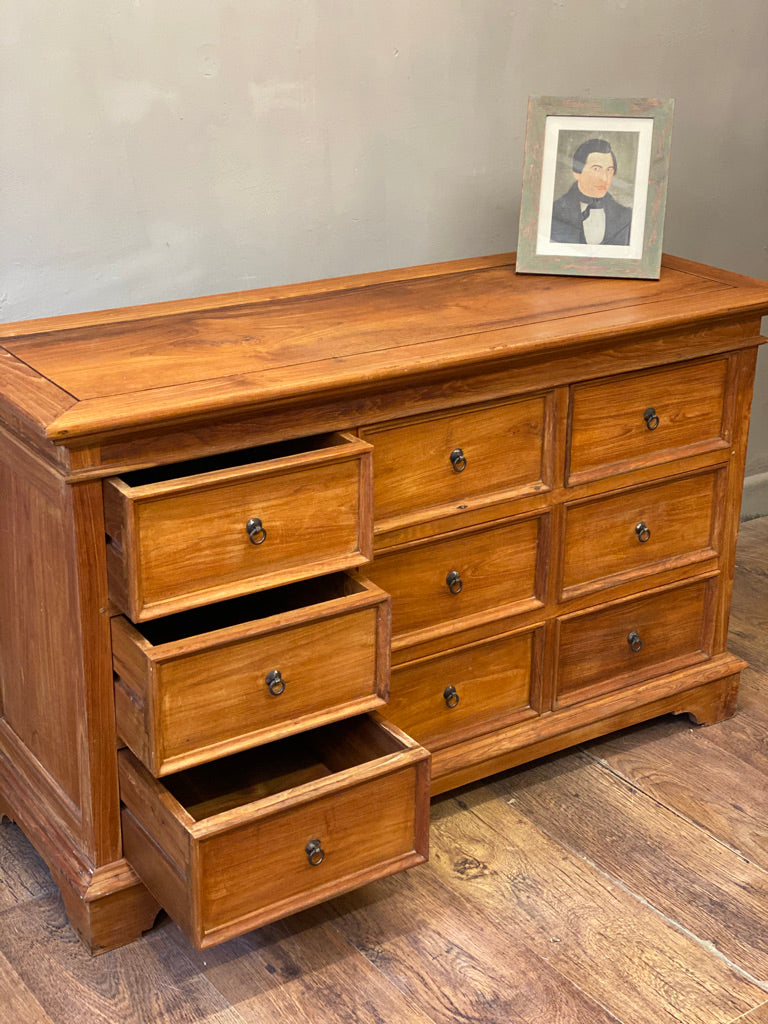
(623, 881)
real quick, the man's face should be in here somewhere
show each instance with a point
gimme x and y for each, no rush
(597, 176)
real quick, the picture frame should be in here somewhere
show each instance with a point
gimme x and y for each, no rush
(597, 214)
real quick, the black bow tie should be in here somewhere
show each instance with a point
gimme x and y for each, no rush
(592, 204)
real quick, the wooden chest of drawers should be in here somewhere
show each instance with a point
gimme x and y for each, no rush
(278, 565)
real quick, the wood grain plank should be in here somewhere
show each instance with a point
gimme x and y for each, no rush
(680, 766)
(17, 1004)
(684, 873)
(289, 332)
(619, 951)
(278, 345)
(749, 608)
(23, 873)
(301, 971)
(752, 547)
(749, 619)
(444, 953)
(757, 1016)
(233, 300)
(147, 982)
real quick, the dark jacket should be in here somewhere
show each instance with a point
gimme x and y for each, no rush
(567, 222)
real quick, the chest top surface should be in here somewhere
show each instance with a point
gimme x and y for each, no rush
(84, 374)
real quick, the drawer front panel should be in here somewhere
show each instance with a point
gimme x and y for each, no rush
(272, 831)
(219, 536)
(216, 696)
(466, 691)
(639, 531)
(495, 568)
(207, 696)
(621, 644)
(360, 829)
(457, 457)
(646, 417)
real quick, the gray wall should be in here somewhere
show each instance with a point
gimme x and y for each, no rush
(155, 149)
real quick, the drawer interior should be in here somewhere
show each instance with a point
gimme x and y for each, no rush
(229, 460)
(262, 772)
(250, 608)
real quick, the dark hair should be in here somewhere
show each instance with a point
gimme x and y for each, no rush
(591, 146)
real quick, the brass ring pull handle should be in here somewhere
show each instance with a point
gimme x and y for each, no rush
(275, 682)
(643, 533)
(315, 852)
(634, 641)
(651, 419)
(458, 460)
(256, 532)
(450, 696)
(454, 582)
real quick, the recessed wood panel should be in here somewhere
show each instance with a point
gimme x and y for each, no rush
(646, 417)
(623, 643)
(496, 571)
(463, 692)
(634, 532)
(456, 457)
(41, 658)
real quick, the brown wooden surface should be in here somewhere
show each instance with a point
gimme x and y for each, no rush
(228, 353)
(625, 882)
(595, 652)
(497, 569)
(192, 697)
(413, 357)
(492, 683)
(413, 467)
(608, 425)
(601, 539)
(184, 541)
(243, 857)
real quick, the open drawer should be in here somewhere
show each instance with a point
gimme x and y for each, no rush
(184, 535)
(230, 846)
(210, 682)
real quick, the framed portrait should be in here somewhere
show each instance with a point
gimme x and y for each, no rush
(594, 186)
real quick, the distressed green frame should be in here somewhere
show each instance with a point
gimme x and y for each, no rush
(648, 265)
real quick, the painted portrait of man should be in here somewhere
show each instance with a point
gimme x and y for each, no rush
(587, 213)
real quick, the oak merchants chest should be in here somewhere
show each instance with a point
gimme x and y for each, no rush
(278, 564)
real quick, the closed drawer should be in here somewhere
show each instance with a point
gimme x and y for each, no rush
(210, 682)
(457, 458)
(230, 846)
(642, 418)
(620, 644)
(639, 531)
(463, 579)
(183, 536)
(467, 691)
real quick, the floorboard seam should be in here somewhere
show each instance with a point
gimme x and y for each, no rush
(744, 1015)
(385, 978)
(673, 810)
(705, 944)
